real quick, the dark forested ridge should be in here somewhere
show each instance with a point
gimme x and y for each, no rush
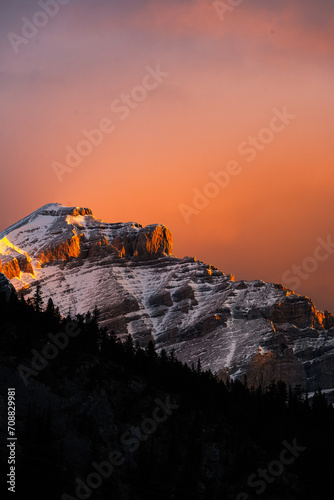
(101, 419)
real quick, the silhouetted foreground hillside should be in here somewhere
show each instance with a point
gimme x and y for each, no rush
(99, 419)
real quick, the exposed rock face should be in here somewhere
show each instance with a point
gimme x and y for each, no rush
(152, 242)
(328, 320)
(271, 366)
(11, 269)
(63, 251)
(13, 260)
(235, 327)
(298, 310)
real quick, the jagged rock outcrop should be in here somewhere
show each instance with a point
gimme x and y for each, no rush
(151, 242)
(300, 311)
(63, 251)
(236, 327)
(271, 366)
(11, 268)
(13, 260)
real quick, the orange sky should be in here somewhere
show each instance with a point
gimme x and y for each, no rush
(225, 78)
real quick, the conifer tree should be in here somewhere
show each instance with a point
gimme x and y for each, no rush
(38, 299)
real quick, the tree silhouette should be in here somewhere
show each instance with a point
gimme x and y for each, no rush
(38, 299)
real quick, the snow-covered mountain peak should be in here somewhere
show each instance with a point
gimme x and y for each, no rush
(130, 273)
(56, 233)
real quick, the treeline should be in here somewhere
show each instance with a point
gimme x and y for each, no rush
(25, 325)
(248, 425)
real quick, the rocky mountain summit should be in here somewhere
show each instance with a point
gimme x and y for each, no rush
(128, 271)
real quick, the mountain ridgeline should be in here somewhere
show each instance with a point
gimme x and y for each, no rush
(236, 328)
